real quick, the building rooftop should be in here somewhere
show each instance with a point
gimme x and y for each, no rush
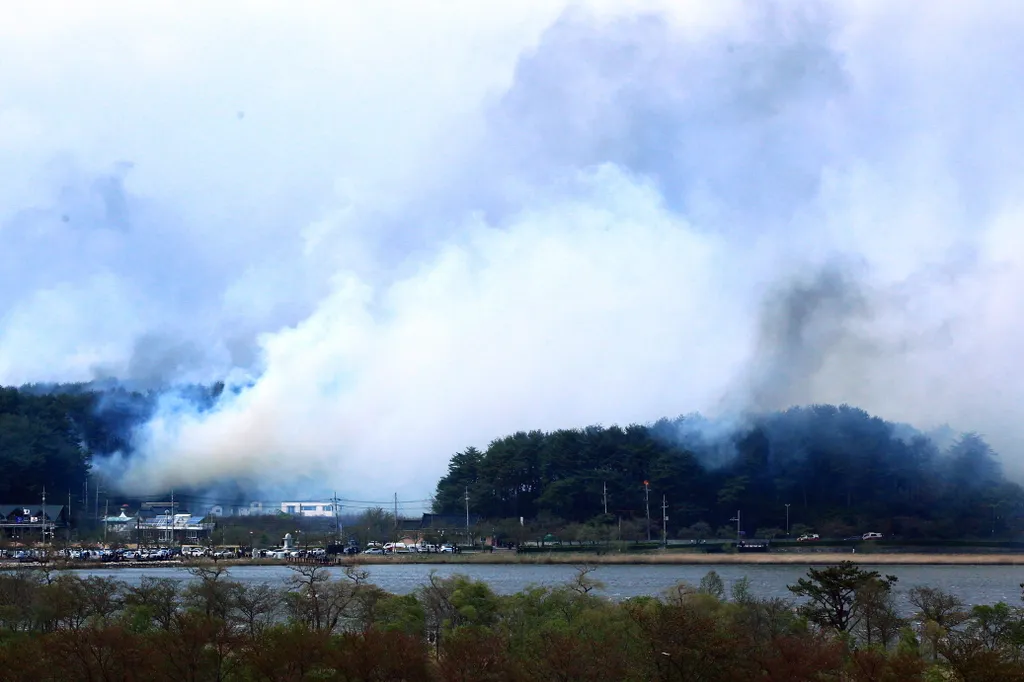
(53, 511)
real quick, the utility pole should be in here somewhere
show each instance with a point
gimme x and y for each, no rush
(44, 515)
(69, 517)
(737, 520)
(606, 499)
(787, 519)
(664, 521)
(173, 524)
(467, 514)
(337, 516)
(106, 515)
(396, 517)
(647, 503)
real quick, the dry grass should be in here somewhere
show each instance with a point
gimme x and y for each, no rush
(795, 558)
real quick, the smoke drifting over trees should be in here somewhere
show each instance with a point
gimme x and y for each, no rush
(839, 470)
(435, 226)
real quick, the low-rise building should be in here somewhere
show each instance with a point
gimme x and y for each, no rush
(32, 522)
(173, 528)
(439, 527)
(308, 508)
(316, 508)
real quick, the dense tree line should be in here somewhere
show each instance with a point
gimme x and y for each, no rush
(49, 433)
(841, 470)
(843, 625)
(47, 439)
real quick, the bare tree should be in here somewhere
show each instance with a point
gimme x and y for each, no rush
(938, 612)
(582, 583)
(212, 593)
(157, 598)
(317, 601)
(256, 607)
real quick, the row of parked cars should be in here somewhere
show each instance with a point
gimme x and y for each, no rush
(402, 548)
(150, 554)
(89, 554)
(195, 552)
(866, 536)
(123, 554)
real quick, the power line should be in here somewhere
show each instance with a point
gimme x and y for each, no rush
(239, 500)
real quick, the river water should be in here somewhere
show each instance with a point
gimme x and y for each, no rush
(973, 584)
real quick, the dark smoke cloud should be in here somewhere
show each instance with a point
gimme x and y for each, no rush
(803, 325)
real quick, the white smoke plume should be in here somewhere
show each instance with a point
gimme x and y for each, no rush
(408, 228)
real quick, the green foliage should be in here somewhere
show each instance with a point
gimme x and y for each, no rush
(832, 594)
(741, 591)
(41, 444)
(713, 585)
(403, 614)
(68, 628)
(49, 433)
(842, 471)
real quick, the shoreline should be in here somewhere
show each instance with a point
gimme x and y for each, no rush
(574, 558)
(789, 558)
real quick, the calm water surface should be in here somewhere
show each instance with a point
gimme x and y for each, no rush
(973, 584)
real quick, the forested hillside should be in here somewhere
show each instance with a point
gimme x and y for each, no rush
(841, 470)
(46, 439)
(48, 433)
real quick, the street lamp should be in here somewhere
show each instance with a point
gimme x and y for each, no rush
(787, 520)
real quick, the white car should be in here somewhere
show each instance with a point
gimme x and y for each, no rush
(871, 536)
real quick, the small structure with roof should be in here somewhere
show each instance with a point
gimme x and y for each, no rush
(32, 522)
(445, 527)
(172, 528)
(121, 524)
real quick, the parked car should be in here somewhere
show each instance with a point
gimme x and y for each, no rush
(872, 536)
(809, 536)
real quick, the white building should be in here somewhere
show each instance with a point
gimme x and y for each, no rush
(321, 509)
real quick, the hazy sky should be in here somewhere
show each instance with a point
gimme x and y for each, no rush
(426, 225)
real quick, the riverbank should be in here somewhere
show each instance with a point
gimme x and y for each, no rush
(794, 558)
(576, 558)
